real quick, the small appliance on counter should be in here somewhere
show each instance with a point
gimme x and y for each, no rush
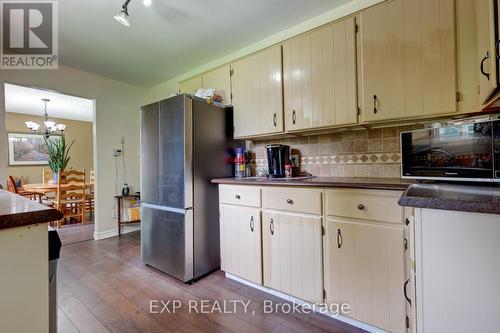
(125, 190)
(463, 152)
(278, 156)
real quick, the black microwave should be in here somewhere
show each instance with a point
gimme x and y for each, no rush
(465, 152)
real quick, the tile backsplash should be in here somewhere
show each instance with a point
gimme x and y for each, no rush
(355, 153)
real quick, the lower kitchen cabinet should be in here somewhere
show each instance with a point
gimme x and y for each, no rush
(240, 231)
(331, 245)
(365, 267)
(457, 271)
(292, 254)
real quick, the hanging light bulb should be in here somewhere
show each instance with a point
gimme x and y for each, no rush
(49, 124)
(32, 126)
(122, 16)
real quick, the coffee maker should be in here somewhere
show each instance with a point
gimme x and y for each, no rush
(277, 157)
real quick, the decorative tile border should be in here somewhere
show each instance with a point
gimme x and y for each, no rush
(382, 158)
(357, 153)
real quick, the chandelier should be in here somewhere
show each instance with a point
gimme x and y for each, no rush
(50, 126)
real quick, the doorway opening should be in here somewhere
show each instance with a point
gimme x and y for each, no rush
(51, 139)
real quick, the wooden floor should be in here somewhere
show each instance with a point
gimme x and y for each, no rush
(104, 287)
(75, 233)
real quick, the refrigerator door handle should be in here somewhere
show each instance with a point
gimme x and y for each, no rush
(168, 209)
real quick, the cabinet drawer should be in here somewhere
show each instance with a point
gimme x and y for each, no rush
(293, 200)
(240, 195)
(373, 205)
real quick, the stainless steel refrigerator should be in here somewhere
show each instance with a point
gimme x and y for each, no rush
(184, 143)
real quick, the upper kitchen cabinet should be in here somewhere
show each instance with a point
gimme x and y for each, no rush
(256, 83)
(487, 53)
(219, 79)
(408, 60)
(190, 86)
(320, 77)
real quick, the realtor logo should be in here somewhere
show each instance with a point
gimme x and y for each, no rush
(29, 35)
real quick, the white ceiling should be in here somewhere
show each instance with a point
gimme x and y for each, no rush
(25, 100)
(170, 37)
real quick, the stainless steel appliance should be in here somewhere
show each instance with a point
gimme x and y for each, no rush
(465, 152)
(183, 146)
(277, 157)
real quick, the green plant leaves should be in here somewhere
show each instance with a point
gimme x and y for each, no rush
(58, 153)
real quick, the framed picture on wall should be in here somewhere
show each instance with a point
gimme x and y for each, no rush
(28, 149)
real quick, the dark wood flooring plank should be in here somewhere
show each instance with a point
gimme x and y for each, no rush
(104, 286)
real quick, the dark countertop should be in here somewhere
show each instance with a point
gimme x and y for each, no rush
(456, 197)
(365, 183)
(16, 211)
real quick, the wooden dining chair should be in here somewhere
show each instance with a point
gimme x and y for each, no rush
(71, 195)
(90, 194)
(12, 187)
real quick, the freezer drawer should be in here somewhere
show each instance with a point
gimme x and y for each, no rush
(167, 241)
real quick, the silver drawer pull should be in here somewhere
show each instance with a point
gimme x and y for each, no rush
(251, 224)
(237, 196)
(289, 201)
(361, 207)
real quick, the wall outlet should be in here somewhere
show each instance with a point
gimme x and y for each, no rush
(117, 152)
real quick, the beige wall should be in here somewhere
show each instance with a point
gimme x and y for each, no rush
(81, 152)
(117, 106)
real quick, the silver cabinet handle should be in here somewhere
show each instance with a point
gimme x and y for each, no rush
(294, 117)
(361, 207)
(275, 119)
(339, 238)
(289, 201)
(271, 227)
(375, 104)
(237, 196)
(251, 224)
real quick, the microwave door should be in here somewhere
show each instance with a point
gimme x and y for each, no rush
(456, 152)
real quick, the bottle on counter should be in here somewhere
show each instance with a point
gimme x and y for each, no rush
(288, 170)
(248, 168)
(240, 163)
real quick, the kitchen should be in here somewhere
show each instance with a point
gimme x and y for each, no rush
(351, 163)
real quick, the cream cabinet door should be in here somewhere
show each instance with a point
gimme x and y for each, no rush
(408, 59)
(220, 80)
(319, 73)
(190, 86)
(240, 242)
(256, 84)
(292, 254)
(487, 54)
(365, 267)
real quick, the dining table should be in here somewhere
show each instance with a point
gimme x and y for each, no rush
(47, 187)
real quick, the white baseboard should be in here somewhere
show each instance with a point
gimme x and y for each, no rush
(114, 232)
(289, 298)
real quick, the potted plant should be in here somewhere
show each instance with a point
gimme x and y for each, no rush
(58, 154)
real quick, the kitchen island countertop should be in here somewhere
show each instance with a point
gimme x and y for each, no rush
(16, 211)
(455, 197)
